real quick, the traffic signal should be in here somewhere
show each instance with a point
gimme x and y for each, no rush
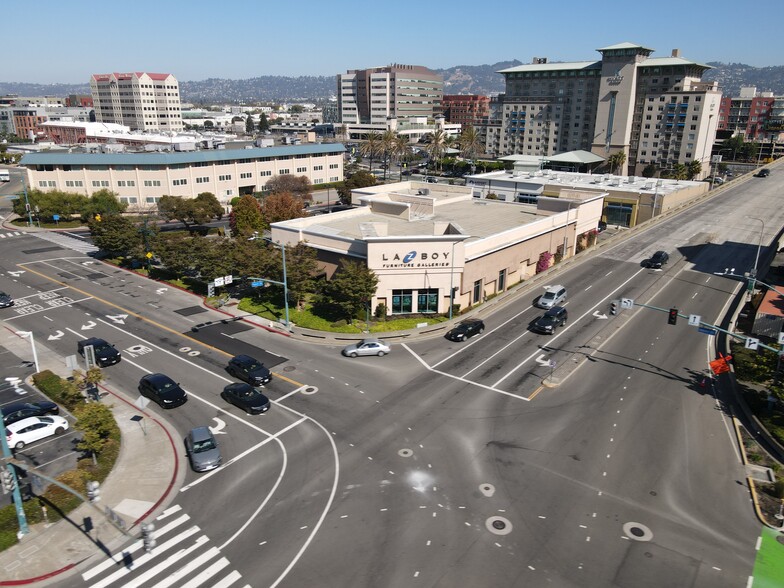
(9, 479)
(614, 307)
(93, 491)
(147, 536)
(673, 317)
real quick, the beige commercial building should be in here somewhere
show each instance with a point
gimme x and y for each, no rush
(425, 240)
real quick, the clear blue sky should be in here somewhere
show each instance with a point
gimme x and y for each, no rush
(48, 41)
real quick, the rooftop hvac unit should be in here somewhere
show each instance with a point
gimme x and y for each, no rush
(659, 183)
(424, 192)
(648, 186)
(615, 182)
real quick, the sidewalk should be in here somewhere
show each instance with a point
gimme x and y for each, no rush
(137, 487)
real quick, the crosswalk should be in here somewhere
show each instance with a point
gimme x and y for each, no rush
(182, 558)
(66, 241)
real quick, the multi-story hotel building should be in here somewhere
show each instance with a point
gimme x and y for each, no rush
(142, 101)
(140, 179)
(749, 114)
(466, 110)
(656, 110)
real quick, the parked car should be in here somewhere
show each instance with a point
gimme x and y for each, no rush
(246, 397)
(249, 370)
(105, 353)
(162, 390)
(33, 429)
(657, 260)
(551, 320)
(763, 173)
(24, 410)
(465, 329)
(202, 449)
(367, 347)
(6, 300)
(553, 295)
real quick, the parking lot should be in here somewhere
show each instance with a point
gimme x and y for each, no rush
(52, 455)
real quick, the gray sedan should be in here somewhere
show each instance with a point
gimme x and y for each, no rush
(367, 347)
(202, 449)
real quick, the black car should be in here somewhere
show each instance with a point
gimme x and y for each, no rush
(763, 173)
(105, 353)
(465, 329)
(248, 370)
(162, 390)
(551, 320)
(5, 300)
(246, 397)
(23, 410)
(657, 260)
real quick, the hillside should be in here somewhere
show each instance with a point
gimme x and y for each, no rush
(461, 79)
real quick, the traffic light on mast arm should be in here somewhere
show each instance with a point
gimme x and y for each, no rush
(673, 316)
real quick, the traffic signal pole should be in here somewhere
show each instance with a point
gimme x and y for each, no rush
(10, 479)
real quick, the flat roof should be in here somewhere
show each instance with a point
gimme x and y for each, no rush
(566, 65)
(64, 158)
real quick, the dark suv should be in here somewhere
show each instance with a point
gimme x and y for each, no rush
(105, 353)
(763, 173)
(657, 260)
(248, 370)
(551, 320)
(465, 329)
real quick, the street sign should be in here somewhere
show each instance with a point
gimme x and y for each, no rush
(627, 303)
(257, 284)
(752, 343)
(694, 320)
(228, 279)
(707, 330)
(219, 281)
(210, 290)
(781, 338)
(56, 217)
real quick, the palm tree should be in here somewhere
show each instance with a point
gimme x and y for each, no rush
(436, 146)
(370, 146)
(388, 140)
(694, 169)
(470, 143)
(680, 171)
(616, 160)
(402, 153)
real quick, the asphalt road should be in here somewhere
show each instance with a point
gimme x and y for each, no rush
(447, 464)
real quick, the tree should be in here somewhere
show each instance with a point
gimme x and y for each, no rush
(649, 171)
(349, 289)
(693, 169)
(388, 146)
(402, 152)
(97, 424)
(436, 146)
(181, 253)
(470, 143)
(616, 161)
(189, 211)
(680, 171)
(371, 146)
(116, 235)
(301, 268)
(296, 109)
(246, 217)
(298, 185)
(263, 123)
(249, 124)
(207, 206)
(361, 179)
(281, 207)
(103, 202)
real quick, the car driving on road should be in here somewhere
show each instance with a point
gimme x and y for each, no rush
(551, 320)
(657, 260)
(367, 347)
(553, 296)
(33, 429)
(246, 397)
(5, 300)
(202, 449)
(162, 390)
(105, 353)
(465, 329)
(249, 369)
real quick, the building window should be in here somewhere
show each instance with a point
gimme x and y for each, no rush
(245, 175)
(265, 173)
(283, 172)
(502, 280)
(302, 170)
(226, 178)
(202, 180)
(150, 183)
(179, 182)
(401, 301)
(477, 293)
(151, 200)
(427, 300)
(333, 166)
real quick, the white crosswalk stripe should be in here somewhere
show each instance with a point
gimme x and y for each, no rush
(11, 234)
(183, 558)
(66, 241)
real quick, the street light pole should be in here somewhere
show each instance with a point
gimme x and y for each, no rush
(285, 286)
(759, 246)
(26, 334)
(27, 202)
(451, 280)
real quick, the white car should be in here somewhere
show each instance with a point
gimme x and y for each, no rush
(367, 347)
(27, 431)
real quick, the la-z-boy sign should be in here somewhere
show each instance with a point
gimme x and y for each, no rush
(415, 259)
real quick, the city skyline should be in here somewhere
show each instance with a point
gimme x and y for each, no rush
(327, 39)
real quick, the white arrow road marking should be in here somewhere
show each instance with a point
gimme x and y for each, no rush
(89, 325)
(16, 274)
(56, 337)
(542, 361)
(161, 290)
(599, 315)
(220, 424)
(88, 262)
(117, 318)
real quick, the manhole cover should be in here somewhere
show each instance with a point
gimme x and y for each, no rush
(405, 453)
(498, 525)
(637, 531)
(289, 368)
(487, 489)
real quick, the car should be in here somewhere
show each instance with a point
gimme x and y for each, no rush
(465, 329)
(763, 173)
(162, 390)
(551, 320)
(715, 180)
(24, 410)
(406, 172)
(105, 353)
(553, 296)
(367, 347)
(248, 369)
(6, 300)
(431, 180)
(32, 429)
(202, 449)
(657, 260)
(246, 397)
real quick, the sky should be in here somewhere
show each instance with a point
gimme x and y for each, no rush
(54, 41)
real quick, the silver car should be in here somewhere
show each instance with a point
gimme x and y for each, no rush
(367, 347)
(202, 449)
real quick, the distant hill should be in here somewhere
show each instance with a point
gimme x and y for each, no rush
(461, 79)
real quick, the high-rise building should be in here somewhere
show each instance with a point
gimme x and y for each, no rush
(467, 110)
(371, 96)
(656, 110)
(141, 101)
(748, 114)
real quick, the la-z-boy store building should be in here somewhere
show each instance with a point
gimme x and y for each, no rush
(422, 240)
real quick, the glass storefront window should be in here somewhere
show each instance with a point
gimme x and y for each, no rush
(427, 301)
(402, 301)
(501, 280)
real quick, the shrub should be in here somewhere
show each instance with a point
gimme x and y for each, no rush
(381, 312)
(58, 390)
(545, 261)
(778, 489)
